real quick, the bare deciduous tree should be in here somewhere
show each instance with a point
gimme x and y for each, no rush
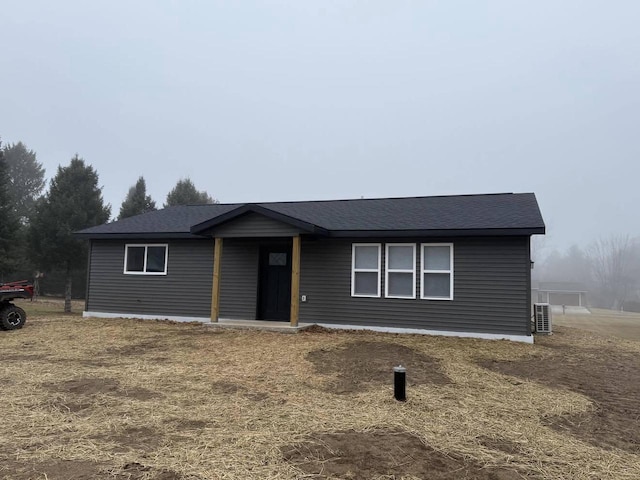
(614, 263)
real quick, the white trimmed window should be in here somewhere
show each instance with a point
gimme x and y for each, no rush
(437, 271)
(142, 259)
(365, 269)
(400, 270)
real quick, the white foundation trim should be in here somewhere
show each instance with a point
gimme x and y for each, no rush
(86, 314)
(420, 331)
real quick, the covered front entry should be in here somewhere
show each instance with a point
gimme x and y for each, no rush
(260, 279)
(256, 275)
(274, 283)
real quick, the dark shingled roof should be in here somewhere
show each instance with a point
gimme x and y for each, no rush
(503, 214)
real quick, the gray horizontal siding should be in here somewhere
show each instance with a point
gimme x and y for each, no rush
(184, 291)
(491, 289)
(491, 285)
(253, 225)
(239, 279)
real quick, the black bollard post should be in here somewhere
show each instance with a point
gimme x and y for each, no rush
(400, 383)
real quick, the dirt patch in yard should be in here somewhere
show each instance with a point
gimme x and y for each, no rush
(257, 396)
(360, 364)
(188, 424)
(141, 348)
(610, 377)
(132, 438)
(222, 387)
(138, 393)
(70, 407)
(52, 470)
(137, 471)
(93, 386)
(387, 454)
(86, 386)
(225, 388)
(81, 470)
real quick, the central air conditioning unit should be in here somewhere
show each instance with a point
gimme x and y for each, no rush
(542, 315)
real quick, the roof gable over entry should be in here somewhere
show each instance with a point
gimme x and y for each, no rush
(253, 220)
(460, 215)
(250, 224)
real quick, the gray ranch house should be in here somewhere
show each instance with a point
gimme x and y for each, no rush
(448, 265)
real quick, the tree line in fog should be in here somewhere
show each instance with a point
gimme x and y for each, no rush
(609, 268)
(37, 220)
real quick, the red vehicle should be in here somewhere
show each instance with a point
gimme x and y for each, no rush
(11, 316)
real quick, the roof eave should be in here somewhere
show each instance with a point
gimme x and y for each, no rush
(478, 232)
(141, 235)
(484, 232)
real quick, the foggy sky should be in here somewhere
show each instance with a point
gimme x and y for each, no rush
(269, 101)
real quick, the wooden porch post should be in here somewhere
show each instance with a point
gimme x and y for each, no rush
(295, 281)
(215, 290)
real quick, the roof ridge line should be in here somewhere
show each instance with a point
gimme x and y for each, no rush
(380, 198)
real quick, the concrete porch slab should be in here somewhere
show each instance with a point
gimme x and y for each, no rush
(264, 325)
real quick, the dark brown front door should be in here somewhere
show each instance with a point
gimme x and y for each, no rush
(274, 290)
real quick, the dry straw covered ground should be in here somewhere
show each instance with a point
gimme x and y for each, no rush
(125, 399)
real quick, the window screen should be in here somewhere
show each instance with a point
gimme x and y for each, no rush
(437, 271)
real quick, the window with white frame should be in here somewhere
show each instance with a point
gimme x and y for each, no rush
(146, 259)
(437, 271)
(400, 270)
(365, 270)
